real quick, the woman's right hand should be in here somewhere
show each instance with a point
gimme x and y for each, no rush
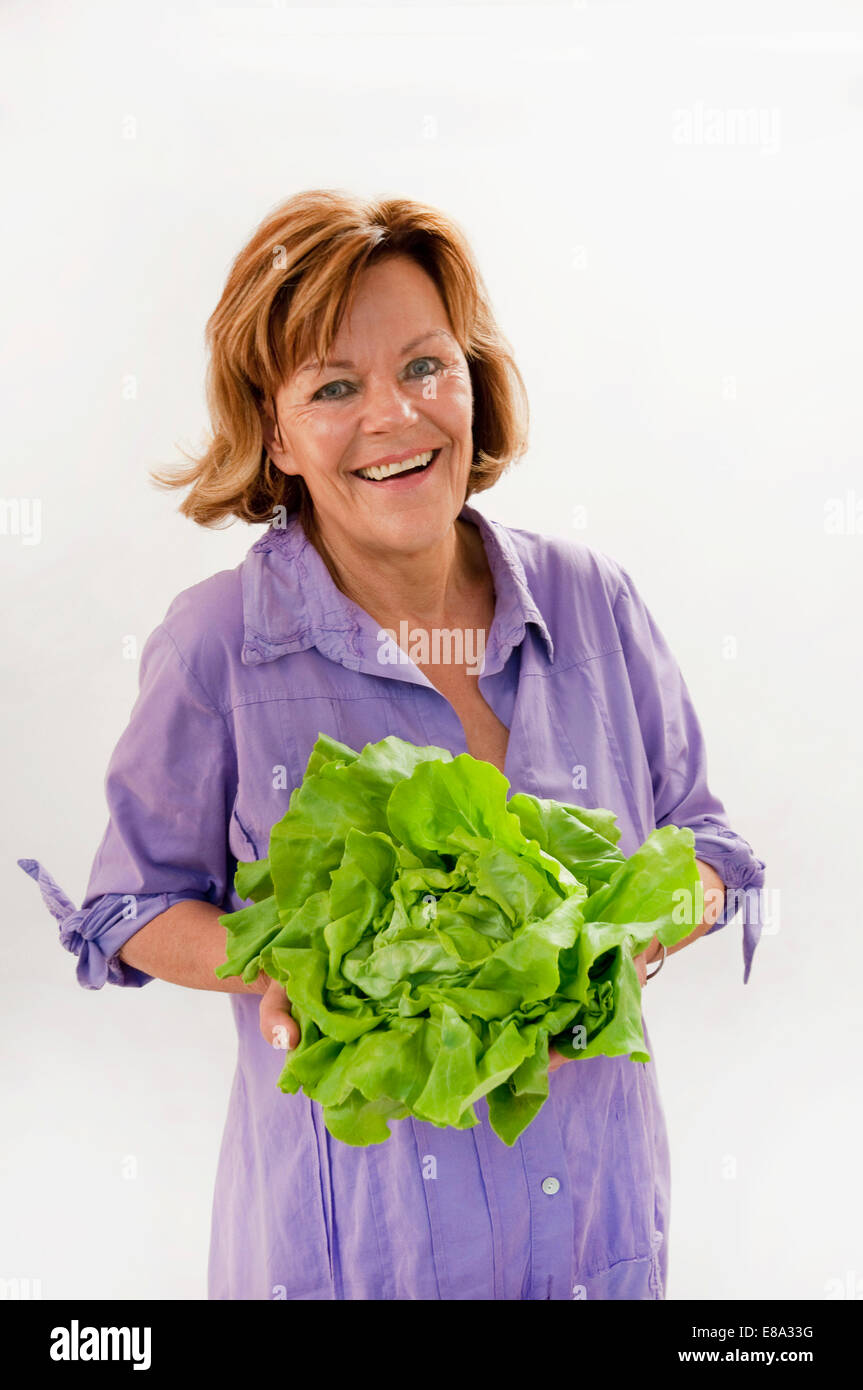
(277, 1025)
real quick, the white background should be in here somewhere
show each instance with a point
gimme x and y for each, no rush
(684, 300)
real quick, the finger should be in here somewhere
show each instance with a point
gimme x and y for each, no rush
(277, 1023)
(278, 1027)
(556, 1059)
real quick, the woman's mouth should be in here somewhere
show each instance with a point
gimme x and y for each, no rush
(399, 476)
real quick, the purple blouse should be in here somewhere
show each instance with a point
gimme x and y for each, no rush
(236, 682)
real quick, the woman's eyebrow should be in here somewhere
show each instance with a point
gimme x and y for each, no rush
(311, 364)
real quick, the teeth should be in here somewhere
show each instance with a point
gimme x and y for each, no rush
(386, 470)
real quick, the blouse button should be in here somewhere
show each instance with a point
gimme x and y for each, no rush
(550, 1186)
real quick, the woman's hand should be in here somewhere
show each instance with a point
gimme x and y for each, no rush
(277, 1026)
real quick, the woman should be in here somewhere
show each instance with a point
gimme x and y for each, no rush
(360, 392)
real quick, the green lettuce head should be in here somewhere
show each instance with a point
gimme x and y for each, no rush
(433, 937)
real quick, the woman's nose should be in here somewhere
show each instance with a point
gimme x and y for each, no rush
(386, 403)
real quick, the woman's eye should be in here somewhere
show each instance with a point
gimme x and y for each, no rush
(431, 365)
(430, 370)
(319, 395)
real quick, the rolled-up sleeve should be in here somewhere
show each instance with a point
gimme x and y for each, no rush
(676, 754)
(170, 786)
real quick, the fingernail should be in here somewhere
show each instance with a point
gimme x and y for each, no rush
(280, 1036)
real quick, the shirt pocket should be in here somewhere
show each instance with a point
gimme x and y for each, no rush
(267, 772)
(608, 1142)
(586, 757)
(373, 710)
(245, 846)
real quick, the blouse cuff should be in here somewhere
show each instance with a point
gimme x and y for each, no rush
(95, 934)
(743, 875)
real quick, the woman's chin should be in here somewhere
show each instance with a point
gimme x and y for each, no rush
(408, 533)
(412, 522)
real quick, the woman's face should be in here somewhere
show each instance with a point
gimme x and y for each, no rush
(397, 384)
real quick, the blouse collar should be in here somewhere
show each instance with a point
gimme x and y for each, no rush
(291, 603)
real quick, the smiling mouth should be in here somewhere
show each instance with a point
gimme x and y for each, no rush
(417, 464)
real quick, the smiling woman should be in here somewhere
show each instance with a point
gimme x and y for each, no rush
(360, 392)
